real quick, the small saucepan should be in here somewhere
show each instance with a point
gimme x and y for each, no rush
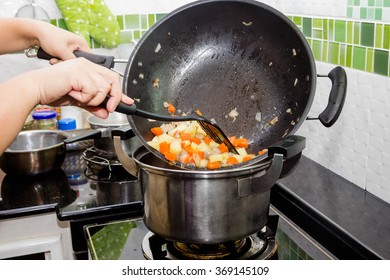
(34, 152)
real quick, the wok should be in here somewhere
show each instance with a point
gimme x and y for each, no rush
(223, 57)
(219, 56)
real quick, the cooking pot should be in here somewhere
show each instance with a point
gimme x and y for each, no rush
(249, 68)
(34, 152)
(207, 207)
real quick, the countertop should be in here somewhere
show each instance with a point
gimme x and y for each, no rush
(350, 222)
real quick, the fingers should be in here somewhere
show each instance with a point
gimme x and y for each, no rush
(96, 85)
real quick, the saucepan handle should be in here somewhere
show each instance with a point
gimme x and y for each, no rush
(337, 96)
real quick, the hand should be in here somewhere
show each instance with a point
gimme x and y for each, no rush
(81, 83)
(59, 42)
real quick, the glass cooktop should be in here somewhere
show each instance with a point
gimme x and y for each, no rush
(127, 240)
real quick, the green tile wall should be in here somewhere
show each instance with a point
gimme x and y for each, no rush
(358, 44)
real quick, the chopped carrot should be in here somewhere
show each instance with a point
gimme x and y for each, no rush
(185, 136)
(196, 140)
(213, 165)
(198, 112)
(201, 154)
(232, 160)
(207, 140)
(169, 156)
(156, 131)
(248, 157)
(223, 148)
(262, 152)
(164, 147)
(232, 138)
(188, 149)
(241, 143)
(171, 108)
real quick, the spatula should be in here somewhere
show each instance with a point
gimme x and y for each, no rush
(211, 129)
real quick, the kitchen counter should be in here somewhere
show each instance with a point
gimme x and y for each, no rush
(348, 221)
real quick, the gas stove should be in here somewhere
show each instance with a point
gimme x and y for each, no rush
(95, 196)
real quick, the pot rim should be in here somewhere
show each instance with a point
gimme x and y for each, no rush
(11, 151)
(142, 151)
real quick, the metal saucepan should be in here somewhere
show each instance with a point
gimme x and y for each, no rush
(249, 60)
(34, 152)
(209, 207)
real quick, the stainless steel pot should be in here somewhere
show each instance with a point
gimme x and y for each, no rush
(34, 152)
(205, 207)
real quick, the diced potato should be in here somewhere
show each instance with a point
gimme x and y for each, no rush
(155, 145)
(238, 157)
(213, 144)
(195, 147)
(191, 129)
(181, 127)
(242, 151)
(214, 158)
(204, 147)
(175, 147)
(165, 138)
(203, 163)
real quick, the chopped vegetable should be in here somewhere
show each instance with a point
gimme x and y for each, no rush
(240, 142)
(187, 143)
(157, 131)
(171, 108)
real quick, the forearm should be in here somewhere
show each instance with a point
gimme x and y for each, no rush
(19, 34)
(17, 101)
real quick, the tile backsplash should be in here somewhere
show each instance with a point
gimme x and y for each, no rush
(352, 33)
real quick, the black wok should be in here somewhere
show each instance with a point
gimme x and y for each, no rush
(219, 56)
(223, 57)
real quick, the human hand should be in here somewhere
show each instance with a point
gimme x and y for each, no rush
(59, 42)
(79, 82)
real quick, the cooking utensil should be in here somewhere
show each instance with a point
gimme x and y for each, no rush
(34, 11)
(249, 68)
(211, 129)
(34, 152)
(199, 206)
(251, 60)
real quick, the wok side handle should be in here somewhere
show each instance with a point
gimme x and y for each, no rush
(337, 96)
(106, 61)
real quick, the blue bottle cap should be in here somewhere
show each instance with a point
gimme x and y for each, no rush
(66, 124)
(44, 115)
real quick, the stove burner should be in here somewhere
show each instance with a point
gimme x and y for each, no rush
(256, 246)
(104, 169)
(92, 157)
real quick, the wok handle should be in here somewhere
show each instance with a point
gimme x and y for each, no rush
(106, 61)
(337, 96)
